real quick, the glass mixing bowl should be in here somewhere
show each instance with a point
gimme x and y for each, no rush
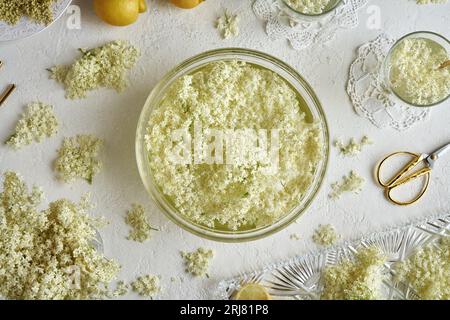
(256, 58)
(309, 16)
(436, 38)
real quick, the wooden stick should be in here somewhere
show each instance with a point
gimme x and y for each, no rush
(7, 93)
(445, 64)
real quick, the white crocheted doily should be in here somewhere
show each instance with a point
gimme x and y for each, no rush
(302, 34)
(369, 95)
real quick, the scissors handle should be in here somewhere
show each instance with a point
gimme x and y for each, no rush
(415, 161)
(389, 190)
(415, 175)
(402, 178)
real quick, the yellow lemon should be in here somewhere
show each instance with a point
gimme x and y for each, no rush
(186, 4)
(252, 291)
(142, 6)
(119, 12)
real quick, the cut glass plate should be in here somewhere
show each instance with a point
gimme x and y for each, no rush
(300, 277)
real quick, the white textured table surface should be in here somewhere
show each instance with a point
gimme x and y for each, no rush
(166, 37)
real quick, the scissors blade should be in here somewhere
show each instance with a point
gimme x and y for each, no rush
(435, 155)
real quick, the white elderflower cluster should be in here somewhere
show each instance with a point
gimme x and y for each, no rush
(325, 235)
(415, 74)
(147, 286)
(77, 158)
(309, 6)
(233, 95)
(428, 271)
(228, 25)
(137, 219)
(38, 122)
(198, 262)
(351, 183)
(48, 254)
(357, 279)
(40, 11)
(103, 67)
(353, 147)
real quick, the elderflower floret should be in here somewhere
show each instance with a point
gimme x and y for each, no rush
(198, 262)
(415, 74)
(77, 158)
(40, 11)
(352, 148)
(137, 219)
(228, 25)
(294, 236)
(357, 279)
(103, 67)
(48, 254)
(325, 235)
(230, 96)
(147, 286)
(310, 6)
(36, 123)
(351, 183)
(428, 271)
(122, 289)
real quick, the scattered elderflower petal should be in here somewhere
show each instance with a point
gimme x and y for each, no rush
(353, 147)
(228, 25)
(351, 183)
(325, 235)
(358, 279)
(42, 250)
(294, 236)
(310, 6)
(198, 262)
(38, 122)
(102, 67)
(428, 271)
(122, 289)
(77, 158)
(40, 11)
(137, 219)
(146, 286)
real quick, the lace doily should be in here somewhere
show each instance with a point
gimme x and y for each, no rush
(368, 93)
(25, 27)
(302, 34)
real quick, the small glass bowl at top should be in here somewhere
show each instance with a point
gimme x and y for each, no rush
(286, 7)
(437, 39)
(188, 67)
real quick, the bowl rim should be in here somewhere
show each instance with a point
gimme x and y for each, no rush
(247, 235)
(39, 27)
(310, 15)
(386, 71)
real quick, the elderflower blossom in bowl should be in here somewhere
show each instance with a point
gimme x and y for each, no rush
(232, 145)
(309, 9)
(415, 71)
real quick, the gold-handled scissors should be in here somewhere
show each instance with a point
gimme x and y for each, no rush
(406, 174)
